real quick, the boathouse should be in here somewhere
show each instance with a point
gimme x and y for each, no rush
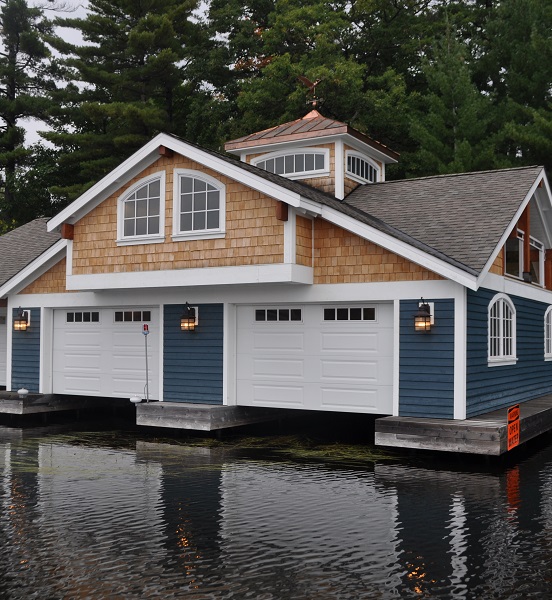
(291, 276)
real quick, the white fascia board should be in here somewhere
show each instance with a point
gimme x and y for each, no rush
(514, 287)
(247, 274)
(141, 159)
(146, 156)
(374, 153)
(33, 270)
(513, 222)
(399, 247)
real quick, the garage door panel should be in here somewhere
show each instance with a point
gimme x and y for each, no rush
(275, 394)
(349, 399)
(284, 341)
(279, 368)
(359, 371)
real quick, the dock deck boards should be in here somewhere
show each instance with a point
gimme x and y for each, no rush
(484, 434)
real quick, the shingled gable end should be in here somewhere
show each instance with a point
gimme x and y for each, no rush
(305, 268)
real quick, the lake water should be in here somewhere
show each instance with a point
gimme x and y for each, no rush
(115, 514)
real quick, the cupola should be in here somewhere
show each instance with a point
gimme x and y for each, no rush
(321, 152)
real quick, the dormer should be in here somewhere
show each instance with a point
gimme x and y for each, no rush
(326, 154)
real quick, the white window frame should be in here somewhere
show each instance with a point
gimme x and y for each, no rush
(156, 238)
(539, 246)
(198, 234)
(325, 152)
(497, 345)
(548, 334)
(519, 236)
(354, 176)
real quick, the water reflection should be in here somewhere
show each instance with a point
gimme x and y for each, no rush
(96, 516)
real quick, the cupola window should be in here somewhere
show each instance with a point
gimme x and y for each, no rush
(360, 168)
(296, 164)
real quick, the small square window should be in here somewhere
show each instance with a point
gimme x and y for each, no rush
(284, 314)
(369, 314)
(146, 316)
(260, 315)
(95, 317)
(271, 315)
(70, 317)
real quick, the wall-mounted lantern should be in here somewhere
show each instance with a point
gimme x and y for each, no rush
(22, 320)
(423, 318)
(189, 318)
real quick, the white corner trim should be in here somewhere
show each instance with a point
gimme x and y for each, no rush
(339, 166)
(33, 270)
(275, 273)
(396, 356)
(399, 247)
(460, 353)
(290, 237)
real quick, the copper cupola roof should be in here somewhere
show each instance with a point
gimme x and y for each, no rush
(313, 125)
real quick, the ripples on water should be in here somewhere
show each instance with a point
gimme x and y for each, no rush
(85, 516)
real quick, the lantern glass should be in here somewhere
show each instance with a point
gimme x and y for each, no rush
(188, 320)
(21, 321)
(422, 319)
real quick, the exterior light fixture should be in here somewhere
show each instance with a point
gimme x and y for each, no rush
(22, 320)
(422, 319)
(188, 320)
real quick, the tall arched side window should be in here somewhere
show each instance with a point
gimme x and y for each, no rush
(199, 206)
(548, 334)
(501, 331)
(141, 211)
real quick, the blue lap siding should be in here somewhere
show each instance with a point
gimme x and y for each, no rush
(26, 354)
(192, 363)
(491, 388)
(426, 379)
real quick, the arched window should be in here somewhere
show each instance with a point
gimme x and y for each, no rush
(502, 331)
(199, 205)
(141, 211)
(296, 164)
(360, 168)
(548, 334)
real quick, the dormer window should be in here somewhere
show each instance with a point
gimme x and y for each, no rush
(141, 211)
(296, 164)
(361, 169)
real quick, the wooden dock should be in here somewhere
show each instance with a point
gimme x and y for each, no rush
(485, 434)
(33, 404)
(201, 417)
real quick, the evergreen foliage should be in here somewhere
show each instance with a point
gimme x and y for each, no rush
(452, 85)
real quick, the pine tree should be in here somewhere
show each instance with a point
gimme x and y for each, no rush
(452, 120)
(128, 82)
(25, 77)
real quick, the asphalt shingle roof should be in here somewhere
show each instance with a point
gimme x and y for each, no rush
(456, 218)
(21, 246)
(462, 216)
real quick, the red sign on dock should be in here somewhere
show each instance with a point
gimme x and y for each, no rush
(513, 426)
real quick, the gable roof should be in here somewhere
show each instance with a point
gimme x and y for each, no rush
(464, 216)
(21, 246)
(313, 125)
(450, 224)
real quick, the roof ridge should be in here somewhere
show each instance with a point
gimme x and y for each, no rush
(462, 174)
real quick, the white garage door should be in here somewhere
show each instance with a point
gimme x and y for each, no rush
(314, 357)
(3, 346)
(101, 352)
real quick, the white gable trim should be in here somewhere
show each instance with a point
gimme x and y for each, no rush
(146, 156)
(532, 192)
(33, 270)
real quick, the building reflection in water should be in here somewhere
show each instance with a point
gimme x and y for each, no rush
(82, 517)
